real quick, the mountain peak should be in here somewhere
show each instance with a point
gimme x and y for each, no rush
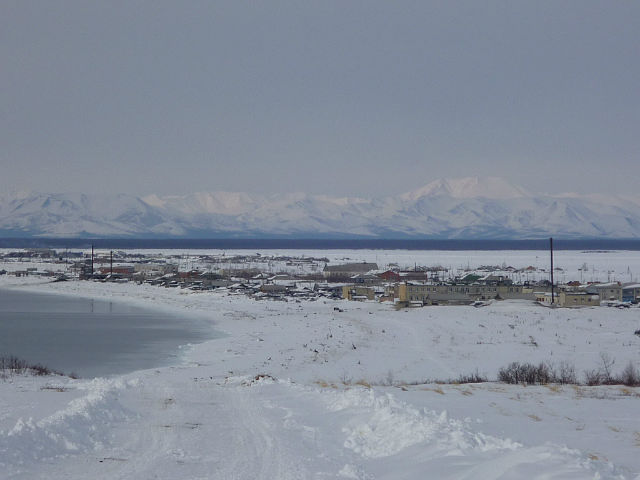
(468, 187)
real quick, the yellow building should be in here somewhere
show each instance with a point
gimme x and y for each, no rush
(430, 294)
(568, 299)
(356, 292)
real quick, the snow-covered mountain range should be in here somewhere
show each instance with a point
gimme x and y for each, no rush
(446, 208)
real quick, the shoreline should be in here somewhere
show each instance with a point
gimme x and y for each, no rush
(201, 319)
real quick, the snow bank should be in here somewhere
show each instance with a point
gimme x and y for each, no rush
(80, 427)
(390, 426)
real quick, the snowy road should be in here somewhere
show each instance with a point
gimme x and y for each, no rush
(263, 429)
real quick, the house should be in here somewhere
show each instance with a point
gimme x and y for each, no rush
(577, 299)
(273, 288)
(631, 292)
(358, 292)
(568, 299)
(125, 271)
(389, 276)
(469, 278)
(148, 270)
(492, 279)
(404, 275)
(333, 290)
(365, 278)
(414, 275)
(606, 291)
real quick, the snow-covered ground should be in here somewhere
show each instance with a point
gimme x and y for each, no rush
(301, 390)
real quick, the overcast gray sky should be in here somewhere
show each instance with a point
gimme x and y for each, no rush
(337, 97)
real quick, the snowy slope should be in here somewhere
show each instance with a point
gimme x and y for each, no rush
(286, 395)
(468, 187)
(446, 208)
(81, 214)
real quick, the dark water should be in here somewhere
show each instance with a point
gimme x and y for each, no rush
(324, 243)
(92, 337)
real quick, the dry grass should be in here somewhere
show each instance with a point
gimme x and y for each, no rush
(435, 389)
(54, 389)
(324, 384)
(629, 392)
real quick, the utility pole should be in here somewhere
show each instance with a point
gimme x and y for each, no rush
(551, 249)
(92, 259)
(111, 264)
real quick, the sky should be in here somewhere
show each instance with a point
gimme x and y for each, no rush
(364, 98)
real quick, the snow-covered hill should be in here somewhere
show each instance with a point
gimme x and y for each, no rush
(302, 391)
(446, 208)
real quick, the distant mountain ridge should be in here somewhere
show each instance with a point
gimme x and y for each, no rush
(468, 187)
(489, 208)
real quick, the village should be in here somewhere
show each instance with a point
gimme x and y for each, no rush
(291, 278)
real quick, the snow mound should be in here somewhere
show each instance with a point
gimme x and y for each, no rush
(390, 426)
(382, 427)
(80, 427)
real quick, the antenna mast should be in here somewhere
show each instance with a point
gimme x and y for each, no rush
(551, 249)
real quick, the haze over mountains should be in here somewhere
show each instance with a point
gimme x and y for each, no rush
(471, 207)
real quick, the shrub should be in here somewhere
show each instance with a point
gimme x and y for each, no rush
(566, 374)
(474, 377)
(606, 370)
(544, 373)
(528, 373)
(604, 375)
(593, 377)
(12, 365)
(630, 376)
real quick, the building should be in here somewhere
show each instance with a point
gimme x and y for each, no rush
(358, 292)
(389, 276)
(577, 299)
(124, 270)
(606, 291)
(459, 293)
(631, 293)
(366, 278)
(347, 270)
(568, 299)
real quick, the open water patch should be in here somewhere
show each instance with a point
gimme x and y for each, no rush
(91, 337)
